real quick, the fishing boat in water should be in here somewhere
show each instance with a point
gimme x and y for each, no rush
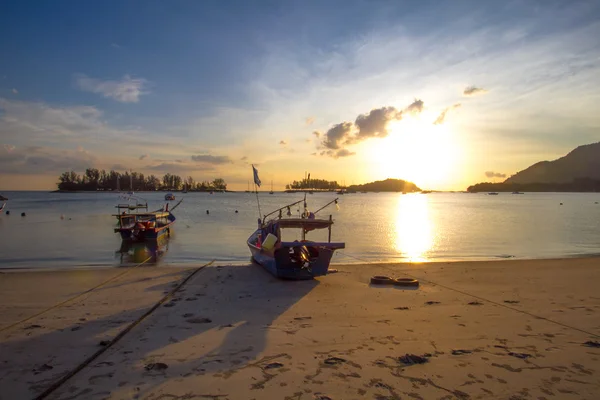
(141, 226)
(297, 260)
(169, 197)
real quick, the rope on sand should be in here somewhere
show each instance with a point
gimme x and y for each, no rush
(121, 334)
(62, 303)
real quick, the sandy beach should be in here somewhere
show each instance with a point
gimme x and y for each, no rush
(514, 329)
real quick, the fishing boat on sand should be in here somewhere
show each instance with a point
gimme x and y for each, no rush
(141, 226)
(296, 260)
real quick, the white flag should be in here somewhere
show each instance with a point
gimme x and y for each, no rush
(256, 178)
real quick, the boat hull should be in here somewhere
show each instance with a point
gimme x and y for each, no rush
(282, 263)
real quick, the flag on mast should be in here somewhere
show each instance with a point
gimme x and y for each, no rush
(256, 178)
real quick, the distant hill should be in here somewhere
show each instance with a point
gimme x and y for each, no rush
(389, 185)
(581, 163)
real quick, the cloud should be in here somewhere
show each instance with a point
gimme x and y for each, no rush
(371, 125)
(282, 142)
(36, 160)
(116, 46)
(492, 174)
(473, 91)
(127, 90)
(343, 153)
(144, 156)
(309, 121)
(375, 123)
(210, 159)
(415, 107)
(440, 119)
(337, 135)
(317, 134)
(15, 91)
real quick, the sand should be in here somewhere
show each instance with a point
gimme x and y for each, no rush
(488, 330)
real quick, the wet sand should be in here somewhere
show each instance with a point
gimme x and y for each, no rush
(505, 329)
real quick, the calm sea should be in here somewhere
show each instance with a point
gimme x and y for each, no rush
(67, 230)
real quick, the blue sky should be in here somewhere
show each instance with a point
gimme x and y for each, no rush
(202, 88)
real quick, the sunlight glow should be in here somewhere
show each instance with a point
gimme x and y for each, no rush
(414, 236)
(417, 151)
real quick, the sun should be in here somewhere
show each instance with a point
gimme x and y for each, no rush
(418, 151)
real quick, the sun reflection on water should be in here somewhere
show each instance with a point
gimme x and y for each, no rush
(413, 227)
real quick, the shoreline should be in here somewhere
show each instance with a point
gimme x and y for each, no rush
(175, 265)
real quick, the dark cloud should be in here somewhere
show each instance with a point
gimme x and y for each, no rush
(210, 159)
(473, 91)
(492, 174)
(40, 160)
(442, 116)
(415, 107)
(371, 125)
(337, 135)
(343, 153)
(144, 156)
(375, 123)
(282, 142)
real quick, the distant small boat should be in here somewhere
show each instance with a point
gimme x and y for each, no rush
(139, 227)
(518, 193)
(271, 192)
(169, 197)
(493, 193)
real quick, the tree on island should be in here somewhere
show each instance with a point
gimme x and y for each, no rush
(100, 180)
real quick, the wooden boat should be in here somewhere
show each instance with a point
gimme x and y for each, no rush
(292, 260)
(143, 226)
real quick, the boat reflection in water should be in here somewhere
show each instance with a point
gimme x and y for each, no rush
(133, 253)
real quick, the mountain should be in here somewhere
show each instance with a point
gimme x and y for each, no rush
(581, 163)
(389, 185)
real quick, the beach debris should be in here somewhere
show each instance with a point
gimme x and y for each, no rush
(171, 304)
(321, 396)
(236, 211)
(512, 301)
(401, 308)
(273, 365)
(34, 326)
(592, 343)
(413, 359)
(460, 352)
(520, 355)
(332, 271)
(199, 320)
(475, 303)
(191, 299)
(431, 302)
(381, 280)
(104, 343)
(188, 315)
(406, 282)
(75, 328)
(302, 318)
(334, 361)
(42, 368)
(226, 326)
(156, 366)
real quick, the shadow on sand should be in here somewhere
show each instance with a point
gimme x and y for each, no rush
(219, 321)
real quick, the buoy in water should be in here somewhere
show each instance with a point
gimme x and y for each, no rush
(561, 204)
(22, 214)
(7, 212)
(236, 211)
(207, 212)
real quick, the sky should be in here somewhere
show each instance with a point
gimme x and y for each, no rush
(443, 94)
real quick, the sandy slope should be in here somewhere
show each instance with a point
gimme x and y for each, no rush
(238, 333)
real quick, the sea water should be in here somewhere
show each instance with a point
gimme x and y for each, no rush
(77, 229)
